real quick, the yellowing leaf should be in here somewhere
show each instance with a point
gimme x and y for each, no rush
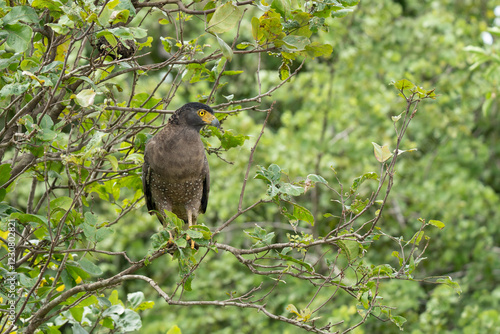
(174, 330)
(62, 51)
(437, 223)
(291, 308)
(382, 153)
(86, 97)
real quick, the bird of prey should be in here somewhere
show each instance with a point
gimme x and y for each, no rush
(175, 174)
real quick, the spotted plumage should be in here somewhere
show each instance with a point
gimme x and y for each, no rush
(176, 175)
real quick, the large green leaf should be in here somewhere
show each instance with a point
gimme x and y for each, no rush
(225, 18)
(19, 37)
(295, 42)
(316, 49)
(52, 5)
(302, 213)
(90, 267)
(283, 7)
(14, 89)
(21, 13)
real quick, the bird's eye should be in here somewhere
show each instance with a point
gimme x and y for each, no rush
(201, 113)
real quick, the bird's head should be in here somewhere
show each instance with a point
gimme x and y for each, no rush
(196, 115)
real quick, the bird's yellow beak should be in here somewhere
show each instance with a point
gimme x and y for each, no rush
(210, 119)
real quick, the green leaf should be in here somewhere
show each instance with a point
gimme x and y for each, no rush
(14, 89)
(290, 189)
(316, 49)
(63, 202)
(129, 321)
(398, 320)
(33, 220)
(306, 265)
(256, 31)
(76, 272)
(135, 298)
(229, 140)
(350, 248)
(225, 18)
(284, 71)
(77, 328)
(316, 178)
(382, 153)
(51, 5)
(282, 7)
(63, 25)
(383, 269)
(120, 16)
(417, 237)
(6, 62)
(449, 282)
(358, 205)
(19, 36)
(181, 242)
(397, 118)
(113, 161)
(5, 171)
(302, 213)
(86, 97)
(296, 43)
(342, 12)
(91, 300)
(437, 223)
(77, 313)
(117, 308)
(301, 24)
(145, 306)
(244, 45)
(21, 13)
(261, 6)
(231, 73)
(193, 234)
(349, 2)
(396, 255)
(89, 227)
(113, 298)
(360, 179)
(271, 174)
(226, 49)
(46, 125)
(260, 235)
(90, 267)
(404, 84)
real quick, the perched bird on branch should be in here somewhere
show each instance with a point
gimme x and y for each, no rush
(175, 174)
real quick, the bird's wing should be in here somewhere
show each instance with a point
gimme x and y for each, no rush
(146, 184)
(206, 187)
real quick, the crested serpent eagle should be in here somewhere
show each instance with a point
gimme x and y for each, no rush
(175, 174)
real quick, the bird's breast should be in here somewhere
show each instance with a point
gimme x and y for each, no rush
(179, 160)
